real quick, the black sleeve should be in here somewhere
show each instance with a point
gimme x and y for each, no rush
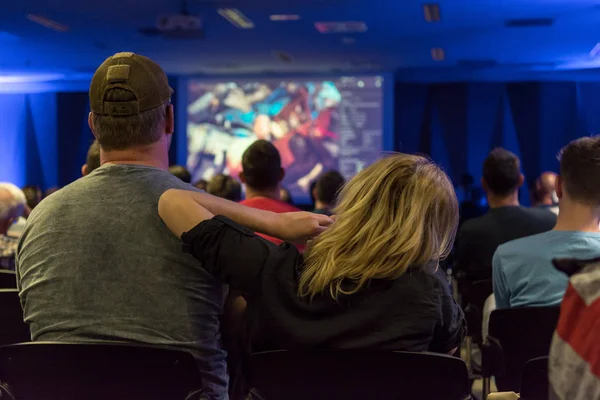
(231, 252)
(452, 325)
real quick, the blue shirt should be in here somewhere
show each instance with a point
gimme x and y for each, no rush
(523, 272)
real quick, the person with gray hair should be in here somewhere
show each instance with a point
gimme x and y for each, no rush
(12, 206)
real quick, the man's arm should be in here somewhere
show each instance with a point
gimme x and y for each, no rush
(182, 210)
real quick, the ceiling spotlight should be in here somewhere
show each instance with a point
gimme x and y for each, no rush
(236, 18)
(47, 22)
(431, 12)
(284, 17)
(438, 54)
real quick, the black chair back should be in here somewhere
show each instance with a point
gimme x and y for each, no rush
(534, 382)
(53, 371)
(357, 374)
(12, 327)
(516, 336)
(474, 299)
(8, 279)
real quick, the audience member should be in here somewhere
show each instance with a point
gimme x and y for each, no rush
(51, 190)
(326, 190)
(181, 172)
(33, 195)
(12, 206)
(286, 196)
(226, 187)
(574, 365)
(523, 270)
(92, 160)
(370, 281)
(201, 184)
(543, 192)
(96, 262)
(506, 220)
(262, 174)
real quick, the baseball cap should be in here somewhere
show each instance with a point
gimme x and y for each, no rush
(138, 74)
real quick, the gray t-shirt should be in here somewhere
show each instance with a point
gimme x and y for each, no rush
(97, 263)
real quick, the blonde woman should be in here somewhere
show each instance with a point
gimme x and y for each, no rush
(369, 281)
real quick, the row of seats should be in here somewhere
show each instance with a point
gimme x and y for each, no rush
(515, 337)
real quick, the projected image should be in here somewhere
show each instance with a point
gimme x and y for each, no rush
(316, 126)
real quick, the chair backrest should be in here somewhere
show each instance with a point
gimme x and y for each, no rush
(534, 382)
(52, 371)
(474, 298)
(517, 335)
(12, 327)
(8, 279)
(357, 374)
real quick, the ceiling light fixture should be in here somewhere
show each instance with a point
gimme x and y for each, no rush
(284, 17)
(431, 12)
(341, 27)
(47, 23)
(236, 18)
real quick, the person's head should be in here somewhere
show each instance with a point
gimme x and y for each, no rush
(327, 188)
(130, 102)
(398, 213)
(261, 169)
(226, 187)
(33, 195)
(201, 184)
(502, 176)
(544, 189)
(12, 205)
(579, 180)
(286, 196)
(92, 161)
(181, 172)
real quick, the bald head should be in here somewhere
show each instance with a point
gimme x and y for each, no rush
(12, 205)
(544, 189)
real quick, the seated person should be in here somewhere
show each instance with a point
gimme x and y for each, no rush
(326, 190)
(574, 365)
(262, 174)
(478, 238)
(225, 187)
(286, 196)
(543, 192)
(201, 184)
(92, 161)
(12, 206)
(370, 281)
(181, 172)
(523, 271)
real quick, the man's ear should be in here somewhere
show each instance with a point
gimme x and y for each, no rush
(521, 180)
(91, 124)
(242, 177)
(84, 170)
(170, 120)
(558, 187)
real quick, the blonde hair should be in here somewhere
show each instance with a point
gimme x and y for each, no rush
(399, 212)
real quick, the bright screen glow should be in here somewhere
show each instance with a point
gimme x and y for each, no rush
(317, 126)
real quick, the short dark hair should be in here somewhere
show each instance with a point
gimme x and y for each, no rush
(122, 132)
(201, 184)
(93, 157)
(33, 195)
(580, 169)
(181, 172)
(261, 164)
(502, 172)
(328, 186)
(226, 187)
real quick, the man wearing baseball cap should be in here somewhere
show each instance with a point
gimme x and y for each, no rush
(96, 262)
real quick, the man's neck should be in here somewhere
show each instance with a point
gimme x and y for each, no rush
(319, 205)
(577, 217)
(153, 155)
(269, 194)
(507, 201)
